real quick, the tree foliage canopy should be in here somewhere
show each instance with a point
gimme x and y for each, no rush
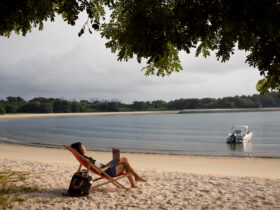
(155, 30)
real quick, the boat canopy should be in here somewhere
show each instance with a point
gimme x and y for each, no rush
(239, 129)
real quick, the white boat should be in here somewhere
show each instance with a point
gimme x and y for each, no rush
(239, 134)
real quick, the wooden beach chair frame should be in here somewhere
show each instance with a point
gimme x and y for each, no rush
(98, 171)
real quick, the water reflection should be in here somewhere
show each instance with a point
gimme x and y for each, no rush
(243, 147)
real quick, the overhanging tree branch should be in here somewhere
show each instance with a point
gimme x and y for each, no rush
(156, 30)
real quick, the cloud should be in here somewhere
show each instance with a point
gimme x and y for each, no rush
(211, 65)
(56, 62)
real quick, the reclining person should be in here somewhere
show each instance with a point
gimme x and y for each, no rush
(113, 168)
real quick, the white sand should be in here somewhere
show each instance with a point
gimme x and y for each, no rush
(174, 182)
(18, 116)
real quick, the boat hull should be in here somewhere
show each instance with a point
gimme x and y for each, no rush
(240, 140)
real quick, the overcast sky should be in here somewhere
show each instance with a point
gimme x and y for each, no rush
(56, 62)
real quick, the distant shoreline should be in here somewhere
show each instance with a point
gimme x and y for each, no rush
(16, 116)
(185, 111)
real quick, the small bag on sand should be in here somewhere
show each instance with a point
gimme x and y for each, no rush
(80, 184)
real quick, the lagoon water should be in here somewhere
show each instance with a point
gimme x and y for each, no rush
(185, 134)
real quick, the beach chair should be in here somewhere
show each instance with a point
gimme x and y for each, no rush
(97, 171)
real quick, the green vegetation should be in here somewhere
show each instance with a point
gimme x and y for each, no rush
(157, 30)
(54, 105)
(266, 85)
(10, 188)
(2, 109)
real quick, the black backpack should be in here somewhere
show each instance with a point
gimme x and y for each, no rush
(80, 184)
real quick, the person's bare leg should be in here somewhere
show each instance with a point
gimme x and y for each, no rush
(120, 168)
(131, 180)
(129, 169)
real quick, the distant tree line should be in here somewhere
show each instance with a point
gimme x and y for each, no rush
(55, 105)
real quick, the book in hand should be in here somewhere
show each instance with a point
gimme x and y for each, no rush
(116, 154)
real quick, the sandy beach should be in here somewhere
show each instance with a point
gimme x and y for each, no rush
(174, 182)
(185, 111)
(18, 116)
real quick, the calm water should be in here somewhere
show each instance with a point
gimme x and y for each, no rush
(189, 134)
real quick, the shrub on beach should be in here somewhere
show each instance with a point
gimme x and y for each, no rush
(12, 188)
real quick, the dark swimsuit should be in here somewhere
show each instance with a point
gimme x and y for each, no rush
(110, 171)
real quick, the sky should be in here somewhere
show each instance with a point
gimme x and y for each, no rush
(57, 63)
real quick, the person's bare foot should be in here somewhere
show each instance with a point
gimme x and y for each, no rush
(140, 179)
(135, 186)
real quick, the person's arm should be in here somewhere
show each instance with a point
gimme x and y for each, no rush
(104, 169)
(91, 160)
